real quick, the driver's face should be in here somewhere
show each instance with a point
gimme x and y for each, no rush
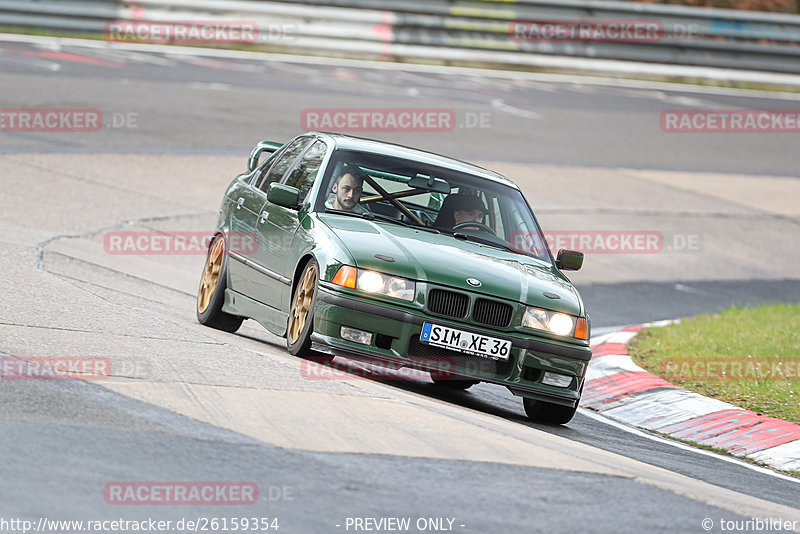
(462, 216)
(348, 192)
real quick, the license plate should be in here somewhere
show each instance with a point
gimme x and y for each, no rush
(465, 342)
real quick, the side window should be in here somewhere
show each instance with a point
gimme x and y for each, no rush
(303, 175)
(286, 158)
(518, 233)
(264, 166)
(494, 218)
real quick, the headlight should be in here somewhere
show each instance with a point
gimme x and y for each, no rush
(554, 322)
(375, 282)
(371, 282)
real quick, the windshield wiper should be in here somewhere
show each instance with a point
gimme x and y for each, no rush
(482, 241)
(377, 216)
(372, 216)
(386, 218)
(344, 212)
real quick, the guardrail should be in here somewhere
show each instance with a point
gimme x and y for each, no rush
(87, 16)
(450, 30)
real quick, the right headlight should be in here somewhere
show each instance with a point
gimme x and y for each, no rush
(555, 322)
(375, 282)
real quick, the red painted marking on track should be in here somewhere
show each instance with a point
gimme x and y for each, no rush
(613, 387)
(636, 328)
(607, 349)
(64, 56)
(741, 432)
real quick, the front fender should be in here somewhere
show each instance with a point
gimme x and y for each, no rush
(314, 239)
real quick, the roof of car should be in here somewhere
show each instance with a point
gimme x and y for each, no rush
(347, 142)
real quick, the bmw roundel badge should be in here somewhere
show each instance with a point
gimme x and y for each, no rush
(474, 282)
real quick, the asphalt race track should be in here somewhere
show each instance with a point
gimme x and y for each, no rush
(187, 403)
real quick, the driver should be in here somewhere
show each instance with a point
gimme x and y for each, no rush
(459, 209)
(347, 190)
(469, 215)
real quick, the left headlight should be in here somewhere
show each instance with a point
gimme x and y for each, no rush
(554, 322)
(375, 282)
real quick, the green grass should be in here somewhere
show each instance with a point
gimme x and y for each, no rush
(746, 356)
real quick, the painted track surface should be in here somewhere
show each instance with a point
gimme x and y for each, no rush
(625, 392)
(194, 404)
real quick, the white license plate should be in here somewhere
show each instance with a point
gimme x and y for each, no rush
(465, 342)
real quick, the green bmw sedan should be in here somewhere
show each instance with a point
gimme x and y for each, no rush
(367, 250)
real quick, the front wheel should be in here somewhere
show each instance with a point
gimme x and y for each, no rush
(211, 293)
(547, 412)
(301, 315)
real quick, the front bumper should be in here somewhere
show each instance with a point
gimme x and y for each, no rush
(396, 340)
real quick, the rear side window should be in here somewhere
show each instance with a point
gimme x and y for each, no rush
(305, 172)
(283, 162)
(264, 167)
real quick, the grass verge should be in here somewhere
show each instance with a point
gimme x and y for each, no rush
(746, 356)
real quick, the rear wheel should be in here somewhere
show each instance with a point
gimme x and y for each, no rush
(547, 412)
(211, 293)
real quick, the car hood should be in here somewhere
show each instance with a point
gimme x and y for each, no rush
(445, 260)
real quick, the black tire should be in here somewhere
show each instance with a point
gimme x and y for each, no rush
(299, 344)
(211, 313)
(455, 384)
(547, 412)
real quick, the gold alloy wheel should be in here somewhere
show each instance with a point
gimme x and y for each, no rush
(211, 274)
(301, 305)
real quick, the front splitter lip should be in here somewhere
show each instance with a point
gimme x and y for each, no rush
(535, 345)
(334, 347)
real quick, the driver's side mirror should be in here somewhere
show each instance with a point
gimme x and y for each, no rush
(264, 146)
(283, 195)
(569, 260)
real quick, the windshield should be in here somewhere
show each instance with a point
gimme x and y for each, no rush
(411, 193)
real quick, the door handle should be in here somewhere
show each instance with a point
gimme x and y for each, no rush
(264, 216)
(240, 203)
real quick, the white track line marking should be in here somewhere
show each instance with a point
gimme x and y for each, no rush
(499, 105)
(691, 290)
